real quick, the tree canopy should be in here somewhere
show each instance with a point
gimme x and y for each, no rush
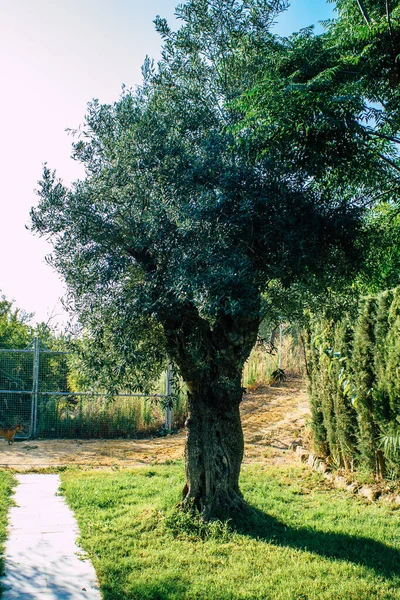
(234, 166)
(15, 331)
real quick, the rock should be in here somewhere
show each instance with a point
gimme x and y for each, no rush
(368, 493)
(302, 454)
(352, 487)
(387, 498)
(294, 445)
(316, 463)
(340, 482)
(311, 460)
(322, 467)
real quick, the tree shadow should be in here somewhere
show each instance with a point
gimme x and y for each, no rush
(363, 551)
(164, 589)
(252, 522)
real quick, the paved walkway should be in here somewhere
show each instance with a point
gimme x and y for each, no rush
(42, 560)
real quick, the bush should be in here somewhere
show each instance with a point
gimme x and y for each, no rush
(354, 385)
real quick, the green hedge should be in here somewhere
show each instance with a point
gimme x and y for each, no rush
(354, 386)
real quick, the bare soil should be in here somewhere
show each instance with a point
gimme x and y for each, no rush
(273, 418)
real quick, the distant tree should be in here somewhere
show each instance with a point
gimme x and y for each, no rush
(381, 265)
(340, 129)
(367, 36)
(334, 131)
(15, 331)
(178, 228)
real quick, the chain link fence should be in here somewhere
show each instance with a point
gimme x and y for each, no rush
(34, 392)
(16, 387)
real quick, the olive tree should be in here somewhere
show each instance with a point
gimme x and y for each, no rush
(177, 229)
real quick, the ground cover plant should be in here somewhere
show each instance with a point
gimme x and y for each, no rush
(300, 540)
(6, 484)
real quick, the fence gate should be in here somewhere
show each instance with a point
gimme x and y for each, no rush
(17, 389)
(33, 384)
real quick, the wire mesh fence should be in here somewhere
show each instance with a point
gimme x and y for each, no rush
(16, 385)
(89, 415)
(35, 392)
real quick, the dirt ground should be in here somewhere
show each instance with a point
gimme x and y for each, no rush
(272, 417)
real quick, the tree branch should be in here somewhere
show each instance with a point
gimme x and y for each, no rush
(364, 12)
(390, 138)
(392, 41)
(188, 338)
(375, 198)
(389, 162)
(144, 258)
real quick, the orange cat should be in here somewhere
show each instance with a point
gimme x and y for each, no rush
(9, 433)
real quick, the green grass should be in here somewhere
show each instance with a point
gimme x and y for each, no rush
(7, 482)
(300, 541)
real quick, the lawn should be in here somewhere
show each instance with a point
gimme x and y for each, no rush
(300, 541)
(7, 482)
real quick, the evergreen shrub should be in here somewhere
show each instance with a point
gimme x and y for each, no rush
(354, 386)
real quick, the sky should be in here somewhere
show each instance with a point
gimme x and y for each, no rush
(55, 56)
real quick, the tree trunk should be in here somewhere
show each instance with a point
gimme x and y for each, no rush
(210, 361)
(214, 452)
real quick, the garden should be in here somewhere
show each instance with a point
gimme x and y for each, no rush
(237, 225)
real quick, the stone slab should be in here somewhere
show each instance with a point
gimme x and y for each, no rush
(42, 559)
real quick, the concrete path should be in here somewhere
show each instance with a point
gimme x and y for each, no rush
(42, 560)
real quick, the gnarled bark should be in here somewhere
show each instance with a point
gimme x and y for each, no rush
(210, 360)
(214, 452)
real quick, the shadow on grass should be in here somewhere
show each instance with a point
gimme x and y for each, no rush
(382, 559)
(163, 589)
(252, 522)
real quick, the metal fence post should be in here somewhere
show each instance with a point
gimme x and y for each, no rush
(80, 416)
(35, 385)
(168, 392)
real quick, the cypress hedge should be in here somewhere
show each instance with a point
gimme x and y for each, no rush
(354, 386)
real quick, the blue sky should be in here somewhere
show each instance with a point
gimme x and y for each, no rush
(303, 13)
(56, 55)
